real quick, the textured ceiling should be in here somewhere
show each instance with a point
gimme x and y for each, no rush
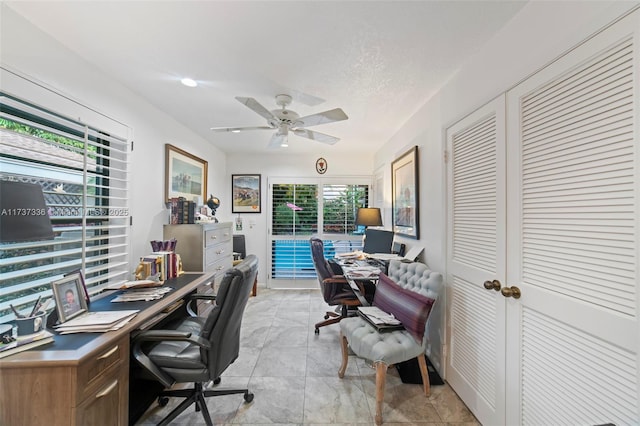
(378, 61)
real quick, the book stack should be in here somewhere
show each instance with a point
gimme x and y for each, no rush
(182, 211)
(23, 343)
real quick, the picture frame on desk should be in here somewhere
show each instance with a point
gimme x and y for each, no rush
(185, 174)
(70, 297)
(405, 194)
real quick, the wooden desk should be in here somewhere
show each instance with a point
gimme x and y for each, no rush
(82, 379)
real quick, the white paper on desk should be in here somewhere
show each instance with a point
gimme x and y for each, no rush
(95, 328)
(99, 318)
(362, 272)
(144, 295)
(384, 256)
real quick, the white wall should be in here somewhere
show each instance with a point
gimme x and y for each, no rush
(33, 54)
(541, 32)
(281, 165)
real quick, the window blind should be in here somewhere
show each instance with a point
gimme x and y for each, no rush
(83, 171)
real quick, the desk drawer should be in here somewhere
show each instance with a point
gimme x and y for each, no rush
(214, 253)
(215, 236)
(90, 372)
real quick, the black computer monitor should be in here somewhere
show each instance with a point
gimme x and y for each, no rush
(377, 241)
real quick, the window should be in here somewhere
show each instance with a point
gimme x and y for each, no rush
(83, 173)
(300, 210)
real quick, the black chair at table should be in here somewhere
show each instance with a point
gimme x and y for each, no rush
(335, 288)
(197, 349)
(239, 253)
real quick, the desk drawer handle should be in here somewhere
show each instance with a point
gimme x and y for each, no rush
(219, 268)
(108, 390)
(108, 354)
(220, 251)
(214, 237)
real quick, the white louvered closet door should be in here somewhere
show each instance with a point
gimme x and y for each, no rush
(573, 241)
(476, 254)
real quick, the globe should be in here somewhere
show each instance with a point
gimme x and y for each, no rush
(213, 203)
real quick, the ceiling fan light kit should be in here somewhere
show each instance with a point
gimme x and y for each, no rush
(284, 121)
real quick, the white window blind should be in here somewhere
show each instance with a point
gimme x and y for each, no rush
(83, 171)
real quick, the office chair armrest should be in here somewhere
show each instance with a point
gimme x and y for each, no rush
(198, 296)
(171, 335)
(337, 279)
(160, 336)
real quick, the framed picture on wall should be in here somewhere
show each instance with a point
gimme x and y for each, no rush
(405, 194)
(245, 190)
(185, 175)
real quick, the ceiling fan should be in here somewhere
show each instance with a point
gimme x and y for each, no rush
(284, 121)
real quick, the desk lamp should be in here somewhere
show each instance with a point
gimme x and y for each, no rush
(369, 216)
(23, 213)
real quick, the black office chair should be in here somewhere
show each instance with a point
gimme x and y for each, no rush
(335, 288)
(239, 247)
(239, 253)
(196, 349)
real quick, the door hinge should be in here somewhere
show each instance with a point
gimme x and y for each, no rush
(131, 145)
(130, 220)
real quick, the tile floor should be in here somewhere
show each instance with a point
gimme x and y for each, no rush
(294, 376)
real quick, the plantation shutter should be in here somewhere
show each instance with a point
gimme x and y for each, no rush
(83, 171)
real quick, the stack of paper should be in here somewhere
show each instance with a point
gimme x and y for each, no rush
(97, 322)
(378, 316)
(142, 295)
(361, 272)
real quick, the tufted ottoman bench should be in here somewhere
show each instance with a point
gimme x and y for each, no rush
(408, 292)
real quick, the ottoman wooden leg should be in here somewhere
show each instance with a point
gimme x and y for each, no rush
(424, 372)
(345, 356)
(381, 378)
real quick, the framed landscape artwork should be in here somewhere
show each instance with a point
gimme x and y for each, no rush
(246, 193)
(185, 175)
(404, 197)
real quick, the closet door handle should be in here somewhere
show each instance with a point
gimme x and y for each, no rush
(492, 285)
(511, 292)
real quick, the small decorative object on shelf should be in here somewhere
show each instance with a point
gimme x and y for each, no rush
(213, 203)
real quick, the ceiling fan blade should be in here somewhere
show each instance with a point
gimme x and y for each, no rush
(322, 118)
(276, 140)
(239, 129)
(255, 106)
(316, 136)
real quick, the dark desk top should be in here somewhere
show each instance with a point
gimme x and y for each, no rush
(70, 348)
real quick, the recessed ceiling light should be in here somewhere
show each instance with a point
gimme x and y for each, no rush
(235, 131)
(189, 82)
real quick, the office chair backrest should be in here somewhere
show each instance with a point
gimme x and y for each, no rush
(323, 270)
(222, 327)
(239, 246)
(377, 241)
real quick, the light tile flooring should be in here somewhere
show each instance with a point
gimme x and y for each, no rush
(294, 376)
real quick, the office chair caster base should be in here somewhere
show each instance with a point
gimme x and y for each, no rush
(317, 331)
(217, 381)
(163, 401)
(248, 396)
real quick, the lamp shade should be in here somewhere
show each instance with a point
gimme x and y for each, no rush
(369, 216)
(23, 213)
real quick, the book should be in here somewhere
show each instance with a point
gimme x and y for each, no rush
(23, 343)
